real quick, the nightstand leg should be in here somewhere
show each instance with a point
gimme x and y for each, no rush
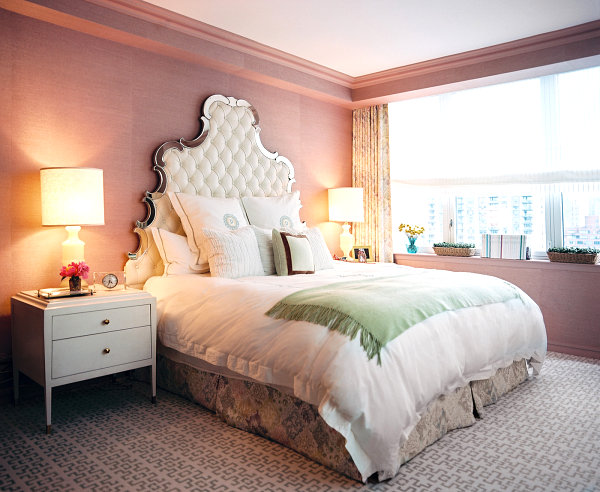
(48, 398)
(15, 383)
(153, 383)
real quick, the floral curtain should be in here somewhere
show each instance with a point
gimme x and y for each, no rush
(371, 171)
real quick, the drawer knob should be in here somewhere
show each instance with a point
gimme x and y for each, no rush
(106, 350)
(106, 321)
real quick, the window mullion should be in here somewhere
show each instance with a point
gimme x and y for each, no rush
(450, 218)
(554, 217)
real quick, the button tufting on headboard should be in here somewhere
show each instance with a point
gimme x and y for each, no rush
(227, 159)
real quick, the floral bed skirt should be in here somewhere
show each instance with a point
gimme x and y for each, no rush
(285, 419)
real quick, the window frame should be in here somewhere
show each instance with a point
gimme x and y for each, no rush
(553, 222)
(552, 192)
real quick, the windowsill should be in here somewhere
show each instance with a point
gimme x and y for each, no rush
(495, 262)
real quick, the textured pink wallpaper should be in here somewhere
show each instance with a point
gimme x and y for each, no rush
(70, 99)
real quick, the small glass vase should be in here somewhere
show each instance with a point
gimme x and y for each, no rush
(74, 284)
(411, 247)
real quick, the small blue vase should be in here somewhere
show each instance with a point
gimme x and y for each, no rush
(411, 247)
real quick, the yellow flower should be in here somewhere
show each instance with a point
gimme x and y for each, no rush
(411, 230)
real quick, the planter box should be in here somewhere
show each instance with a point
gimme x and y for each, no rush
(453, 251)
(589, 259)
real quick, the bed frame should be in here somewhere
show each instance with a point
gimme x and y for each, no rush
(227, 159)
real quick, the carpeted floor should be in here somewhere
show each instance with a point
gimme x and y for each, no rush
(543, 436)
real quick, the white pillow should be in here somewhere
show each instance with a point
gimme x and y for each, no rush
(292, 253)
(265, 248)
(321, 254)
(200, 212)
(320, 251)
(174, 251)
(232, 254)
(274, 211)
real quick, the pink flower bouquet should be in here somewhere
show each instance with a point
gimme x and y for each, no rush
(75, 270)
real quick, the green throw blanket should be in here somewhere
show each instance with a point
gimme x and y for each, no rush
(382, 308)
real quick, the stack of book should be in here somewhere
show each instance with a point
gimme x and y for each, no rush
(511, 246)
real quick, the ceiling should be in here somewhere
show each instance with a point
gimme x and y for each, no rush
(360, 37)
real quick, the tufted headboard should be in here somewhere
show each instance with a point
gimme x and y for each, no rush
(226, 159)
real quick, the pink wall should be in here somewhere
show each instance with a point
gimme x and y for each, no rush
(71, 99)
(566, 293)
(102, 83)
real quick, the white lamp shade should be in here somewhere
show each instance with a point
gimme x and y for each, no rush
(346, 205)
(72, 196)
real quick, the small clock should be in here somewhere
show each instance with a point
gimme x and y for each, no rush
(109, 280)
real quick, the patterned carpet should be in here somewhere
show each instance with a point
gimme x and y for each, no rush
(543, 436)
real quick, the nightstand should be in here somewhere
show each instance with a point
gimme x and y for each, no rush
(61, 341)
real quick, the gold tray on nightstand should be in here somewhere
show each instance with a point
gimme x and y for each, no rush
(54, 293)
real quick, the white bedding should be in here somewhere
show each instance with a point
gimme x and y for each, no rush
(222, 321)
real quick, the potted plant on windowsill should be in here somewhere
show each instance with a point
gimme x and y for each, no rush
(454, 249)
(574, 255)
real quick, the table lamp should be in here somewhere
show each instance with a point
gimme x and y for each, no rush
(72, 197)
(346, 205)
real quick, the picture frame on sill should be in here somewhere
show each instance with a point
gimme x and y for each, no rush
(362, 254)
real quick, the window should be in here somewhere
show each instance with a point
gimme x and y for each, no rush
(581, 218)
(515, 158)
(500, 210)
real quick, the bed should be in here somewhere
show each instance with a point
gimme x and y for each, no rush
(296, 380)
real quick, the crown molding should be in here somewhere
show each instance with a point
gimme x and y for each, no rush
(114, 20)
(146, 26)
(167, 18)
(181, 23)
(380, 85)
(532, 44)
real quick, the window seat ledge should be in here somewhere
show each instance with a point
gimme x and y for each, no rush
(493, 263)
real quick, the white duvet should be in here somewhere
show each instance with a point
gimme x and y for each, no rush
(222, 321)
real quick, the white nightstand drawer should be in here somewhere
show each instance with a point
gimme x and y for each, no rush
(104, 320)
(83, 354)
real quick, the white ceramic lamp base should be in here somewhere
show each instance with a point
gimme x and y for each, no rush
(72, 247)
(346, 240)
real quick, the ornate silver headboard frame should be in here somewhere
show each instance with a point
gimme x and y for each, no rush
(226, 159)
